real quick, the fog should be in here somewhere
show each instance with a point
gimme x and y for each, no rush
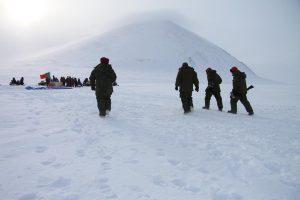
(264, 34)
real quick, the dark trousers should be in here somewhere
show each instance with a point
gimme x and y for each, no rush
(103, 103)
(244, 101)
(186, 100)
(218, 97)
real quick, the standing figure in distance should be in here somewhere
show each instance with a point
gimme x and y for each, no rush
(13, 81)
(239, 91)
(21, 82)
(213, 88)
(101, 80)
(186, 78)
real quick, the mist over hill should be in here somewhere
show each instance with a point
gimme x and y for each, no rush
(155, 47)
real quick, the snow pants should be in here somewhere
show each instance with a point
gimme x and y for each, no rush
(186, 100)
(218, 97)
(103, 102)
(244, 101)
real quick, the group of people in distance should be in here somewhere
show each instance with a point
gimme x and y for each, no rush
(68, 82)
(103, 77)
(187, 77)
(17, 82)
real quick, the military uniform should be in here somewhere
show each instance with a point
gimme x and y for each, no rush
(213, 88)
(239, 91)
(186, 78)
(101, 80)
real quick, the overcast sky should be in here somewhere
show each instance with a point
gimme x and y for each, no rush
(264, 34)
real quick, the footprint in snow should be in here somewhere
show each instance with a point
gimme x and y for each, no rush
(30, 196)
(160, 152)
(103, 184)
(80, 153)
(40, 149)
(103, 180)
(61, 182)
(46, 163)
(31, 130)
(159, 181)
(179, 183)
(49, 161)
(135, 188)
(113, 196)
(106, 166)
(193, 189)
(71, 197)
(220, 196)
(133, 162)
(107, 157)
(173, 162)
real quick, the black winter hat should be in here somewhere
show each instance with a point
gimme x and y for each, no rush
(208, 69)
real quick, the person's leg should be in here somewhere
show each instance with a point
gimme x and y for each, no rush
(219, 100)
(208, 95)
(190, 100)
(101, 104)
(233, 104)
(247, 104)
(185, 101)
(107, 103)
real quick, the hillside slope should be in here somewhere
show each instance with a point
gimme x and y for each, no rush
(157, 47)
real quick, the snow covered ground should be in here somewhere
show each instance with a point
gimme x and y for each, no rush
(54, 146)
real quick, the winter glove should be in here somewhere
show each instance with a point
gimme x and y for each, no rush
(197, 89)
(115, 84)
(233, 94)
(93, 87)
(176, 88)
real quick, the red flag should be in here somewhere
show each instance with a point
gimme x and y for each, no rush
(46, 75)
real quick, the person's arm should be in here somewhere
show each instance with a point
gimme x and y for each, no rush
(92, 80)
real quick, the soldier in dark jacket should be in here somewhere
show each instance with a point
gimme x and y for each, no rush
(239, 91)
(13, 81)
(213, 88)
(186, 78)
(101, 80)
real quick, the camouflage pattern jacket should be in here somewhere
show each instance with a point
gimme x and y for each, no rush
(239, 83)
(213, 81)
(102, 78)
(186, 78)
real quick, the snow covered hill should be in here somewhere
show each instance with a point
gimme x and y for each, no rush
(155, 47)
(54, 146)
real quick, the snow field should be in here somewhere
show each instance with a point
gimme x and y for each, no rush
(55, 146)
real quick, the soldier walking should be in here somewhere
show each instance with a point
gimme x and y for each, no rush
(213, 88)
(239, 91)
(186, 78)
(101, 80)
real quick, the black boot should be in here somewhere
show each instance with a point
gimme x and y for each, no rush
(187, 111)
(232, 112)
(102, 113)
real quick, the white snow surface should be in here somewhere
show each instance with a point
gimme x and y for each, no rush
(54, 146)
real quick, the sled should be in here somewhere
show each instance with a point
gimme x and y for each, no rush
(46, 88)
